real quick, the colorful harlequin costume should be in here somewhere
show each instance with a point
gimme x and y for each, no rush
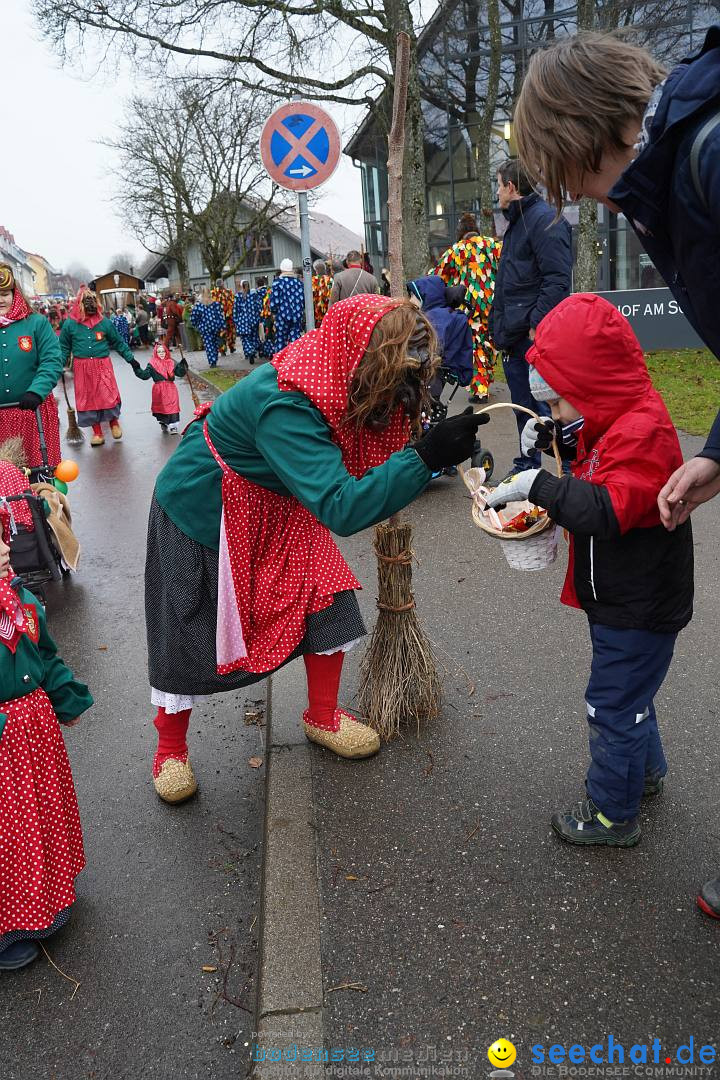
(321, 286)
(287, 304)
(163, 371)
(472, 262)
(267, 346)
(246, 316)
(274, 466)
(41, 847)
(209, 320)
(88, 338)
(30, 366)
(225, 299)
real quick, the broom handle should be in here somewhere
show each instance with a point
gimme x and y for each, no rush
(67, 399)
(529, 412)
(195, 398)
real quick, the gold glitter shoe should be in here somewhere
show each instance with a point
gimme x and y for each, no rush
(97, 440)
(352, 740)
(175, 782)
(115, 429)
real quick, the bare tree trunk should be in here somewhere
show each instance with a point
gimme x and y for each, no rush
(396, 155)
(414, 213)
(585, 279)
(488, 117)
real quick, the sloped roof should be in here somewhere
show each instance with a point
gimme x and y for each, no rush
(326, 234)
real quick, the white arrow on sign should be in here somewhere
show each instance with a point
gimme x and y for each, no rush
(304, 170)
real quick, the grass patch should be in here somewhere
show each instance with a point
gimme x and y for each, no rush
(689, 382)
(224, 380)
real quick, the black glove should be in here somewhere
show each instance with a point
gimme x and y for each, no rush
(134, 364)
(30, 400)
(538, 435)
(452, 441)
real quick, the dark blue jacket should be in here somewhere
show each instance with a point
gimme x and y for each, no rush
(451, 326)
(657, 195)
(534, 272)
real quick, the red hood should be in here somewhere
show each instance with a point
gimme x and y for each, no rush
(587, 352)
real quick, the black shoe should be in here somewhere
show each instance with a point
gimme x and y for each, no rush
(653, 786)
(708, 900)
(19, 954)
(585, 824)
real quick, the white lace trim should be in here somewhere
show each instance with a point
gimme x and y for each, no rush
(343, 648)
(174, 703)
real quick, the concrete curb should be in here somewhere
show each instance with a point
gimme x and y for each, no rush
(289, 1015)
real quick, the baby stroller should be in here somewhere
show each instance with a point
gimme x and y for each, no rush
(33, 552)
(438, 410)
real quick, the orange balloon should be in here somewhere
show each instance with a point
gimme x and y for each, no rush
(67, 471)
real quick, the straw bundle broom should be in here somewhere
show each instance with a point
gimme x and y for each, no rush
(399, 681)
(73, 435)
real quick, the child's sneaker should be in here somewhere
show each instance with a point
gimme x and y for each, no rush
(708, 900)
(19, 954)
(173, 429)
(585, 824)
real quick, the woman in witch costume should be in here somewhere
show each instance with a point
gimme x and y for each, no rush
(41, 847)
(88, 335)
(163, 371)
(242, 574)
(30, 365)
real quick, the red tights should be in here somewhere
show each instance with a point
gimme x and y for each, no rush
(323, 680)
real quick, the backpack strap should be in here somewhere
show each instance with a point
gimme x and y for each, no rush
(698, 142)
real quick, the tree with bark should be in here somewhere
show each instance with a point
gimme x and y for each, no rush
(190, 171)
(277, 47)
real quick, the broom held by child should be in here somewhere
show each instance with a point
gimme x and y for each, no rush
(41, 848)
(632, 577)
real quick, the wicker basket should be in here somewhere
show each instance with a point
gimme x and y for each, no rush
(536, 548)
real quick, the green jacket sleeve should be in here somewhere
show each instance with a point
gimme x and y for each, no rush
(65, 341)
(69, 697)
(50, 360)
(296, 443)
(118, 344)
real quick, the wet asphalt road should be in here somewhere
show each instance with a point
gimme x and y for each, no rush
(448, 903)
(166, 890)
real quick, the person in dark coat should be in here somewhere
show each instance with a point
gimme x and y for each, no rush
(534, 275)
(599, 117)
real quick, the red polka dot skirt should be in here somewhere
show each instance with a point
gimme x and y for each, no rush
(41, 848)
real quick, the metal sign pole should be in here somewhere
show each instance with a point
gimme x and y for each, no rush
(306, 259)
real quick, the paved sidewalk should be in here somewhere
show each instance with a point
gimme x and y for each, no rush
(449, 914)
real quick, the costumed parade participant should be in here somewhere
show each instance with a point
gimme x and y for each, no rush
(312, 442)
(246, 316)
(633, 578)
(30, 365)
(321, 286)
(173, 318)
(194, 341)
(122, 326)
(267, 337)
(472, 262)
(163, 371)
(208, 319)
(88, 336)
(224, 297)
(287, 305)
(41, 848)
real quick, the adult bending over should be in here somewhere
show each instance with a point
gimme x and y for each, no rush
(242, 573)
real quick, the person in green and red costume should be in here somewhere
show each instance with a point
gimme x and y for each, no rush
(89, 336)
(242, 574)
(30, 365)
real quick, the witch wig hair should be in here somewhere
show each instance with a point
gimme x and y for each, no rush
(388, 362)
(578, 97)
(9, 281)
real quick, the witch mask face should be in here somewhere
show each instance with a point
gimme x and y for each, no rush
(89, 304)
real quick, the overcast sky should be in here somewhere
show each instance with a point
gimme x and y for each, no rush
(56, 184)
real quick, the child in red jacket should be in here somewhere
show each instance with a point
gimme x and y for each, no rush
(633, 578)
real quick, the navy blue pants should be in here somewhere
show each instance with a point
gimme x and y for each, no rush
(628, 669)
(517, 376)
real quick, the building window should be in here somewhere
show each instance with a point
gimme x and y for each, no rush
(254, 249)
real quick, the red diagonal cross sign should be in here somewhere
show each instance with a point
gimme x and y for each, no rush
(300, 145)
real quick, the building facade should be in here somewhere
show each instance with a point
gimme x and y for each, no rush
(261, 253)
(453, 56)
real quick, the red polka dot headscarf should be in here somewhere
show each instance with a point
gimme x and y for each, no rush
(321, 365)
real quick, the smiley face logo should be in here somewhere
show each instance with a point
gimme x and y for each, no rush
(502, 1054)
